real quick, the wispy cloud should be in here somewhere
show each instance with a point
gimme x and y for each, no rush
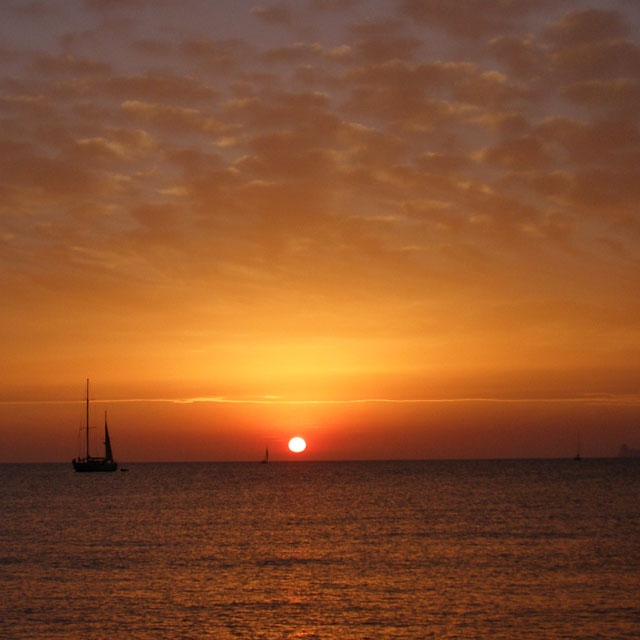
(588, 399)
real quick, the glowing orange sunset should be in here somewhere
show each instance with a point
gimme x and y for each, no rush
(392, 229)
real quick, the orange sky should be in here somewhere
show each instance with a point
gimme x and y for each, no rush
(395, 229)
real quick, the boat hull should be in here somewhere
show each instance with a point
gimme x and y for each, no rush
(94, 465)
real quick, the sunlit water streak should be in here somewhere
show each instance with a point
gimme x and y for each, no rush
(507, 549)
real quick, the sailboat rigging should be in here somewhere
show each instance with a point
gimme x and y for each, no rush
(266, 456)
(92, 463)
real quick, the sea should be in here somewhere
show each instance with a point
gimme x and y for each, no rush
(329, 550)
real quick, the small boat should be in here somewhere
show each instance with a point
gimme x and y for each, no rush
(578, 456)
(91, 463)
(266, 456)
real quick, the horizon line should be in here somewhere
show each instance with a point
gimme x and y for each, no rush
(331, 460)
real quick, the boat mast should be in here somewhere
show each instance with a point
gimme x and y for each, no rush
(87, 418)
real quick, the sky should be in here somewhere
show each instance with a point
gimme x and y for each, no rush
(399, 229)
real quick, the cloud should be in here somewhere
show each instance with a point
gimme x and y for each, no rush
(163, 88)
(294, 53)
(506, 124)
(278, 13)
(333, 5)
(221, 56)
(288, 156)
(598, 60)
(620, 95)
(34, 9)
(67, 64)
(111, 5)
(520, 154)
(471, 18)
(152, 46)
(591, 43)
(112, 147)
(31, 176)
(586, 26)
(443, 163)
(614, 192)
(522, 55)
(280, 109)
(378, 41)
(398, 92)
(491, 89)
(33, 107)
(602, 398)
(170, 119)
(388, 48)
(112, 27)
(158, 217)
(612, 143)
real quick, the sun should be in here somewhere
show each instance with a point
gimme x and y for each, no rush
(297, 445)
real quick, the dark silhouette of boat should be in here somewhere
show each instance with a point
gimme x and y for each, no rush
(92, 463)
(266, 456)
(578, 456)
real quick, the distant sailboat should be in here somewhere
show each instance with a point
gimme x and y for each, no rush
(266, 456)
(91, 463)
(578, 456)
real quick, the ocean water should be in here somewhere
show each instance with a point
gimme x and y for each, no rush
(344, 550)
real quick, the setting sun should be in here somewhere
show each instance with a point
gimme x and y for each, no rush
(297, 445)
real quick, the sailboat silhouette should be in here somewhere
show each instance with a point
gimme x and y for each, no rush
(92, 463)
(578, 456)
